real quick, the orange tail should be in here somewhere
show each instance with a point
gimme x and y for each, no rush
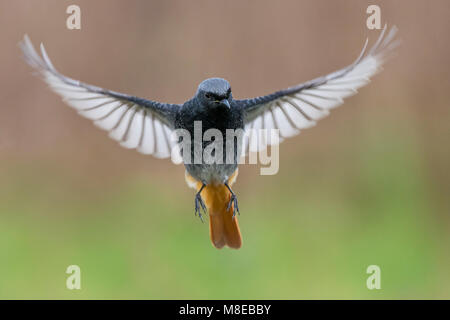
(223, 227)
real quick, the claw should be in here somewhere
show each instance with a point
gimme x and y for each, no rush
(233, 200)
(199, 204)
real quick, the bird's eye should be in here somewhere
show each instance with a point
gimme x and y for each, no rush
(207, 95)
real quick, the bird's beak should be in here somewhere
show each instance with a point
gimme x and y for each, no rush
(225, 103)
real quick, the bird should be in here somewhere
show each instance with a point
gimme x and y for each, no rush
(148, 126)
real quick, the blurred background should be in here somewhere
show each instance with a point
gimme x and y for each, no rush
(369, 185)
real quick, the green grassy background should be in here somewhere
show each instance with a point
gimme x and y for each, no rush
(309, 232)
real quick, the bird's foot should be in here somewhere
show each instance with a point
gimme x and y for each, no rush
(234, 202)
(199, 204)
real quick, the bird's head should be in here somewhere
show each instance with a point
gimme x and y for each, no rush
(214, 92)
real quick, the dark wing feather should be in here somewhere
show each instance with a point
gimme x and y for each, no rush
(136, 123)
(299, 107)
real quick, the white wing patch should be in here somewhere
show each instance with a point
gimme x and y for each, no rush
(132, 125)
(301, 109)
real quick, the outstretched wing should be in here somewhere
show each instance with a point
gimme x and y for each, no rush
(136, 123)
(299, 107)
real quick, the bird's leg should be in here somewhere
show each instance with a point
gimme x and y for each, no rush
(233, 200)
(199, 203)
